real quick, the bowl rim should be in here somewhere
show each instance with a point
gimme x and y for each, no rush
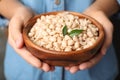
(53, 52)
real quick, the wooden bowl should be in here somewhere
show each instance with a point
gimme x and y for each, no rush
(61, 58)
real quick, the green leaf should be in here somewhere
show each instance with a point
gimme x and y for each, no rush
(75, 32)
(64, 30)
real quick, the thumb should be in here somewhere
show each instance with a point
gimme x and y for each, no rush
(106, 45)
(108, 38)
(15, 30)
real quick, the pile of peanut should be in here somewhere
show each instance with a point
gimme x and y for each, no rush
(47, 32)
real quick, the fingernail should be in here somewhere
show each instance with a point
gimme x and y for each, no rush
(82, 68)
(103, 51)
(17, 43)
(67, 68)
(73, 71)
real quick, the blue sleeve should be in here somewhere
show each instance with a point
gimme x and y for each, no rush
(3, 22)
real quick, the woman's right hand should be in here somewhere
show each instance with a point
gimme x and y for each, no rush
(16, 24)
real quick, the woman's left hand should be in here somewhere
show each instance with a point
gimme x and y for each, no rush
(108, 28)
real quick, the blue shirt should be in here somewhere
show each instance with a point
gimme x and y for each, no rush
(18, 69)
(42, 6)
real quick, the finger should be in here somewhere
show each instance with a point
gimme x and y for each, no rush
(108, 29)
(46, 67)
(108, 38)
(29, 57)
(74, 69)
(90, 63)
(15, 27)
(26, 55)
(67, 68)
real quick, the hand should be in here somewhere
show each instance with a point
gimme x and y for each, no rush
(108, 28)
(21, 16)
